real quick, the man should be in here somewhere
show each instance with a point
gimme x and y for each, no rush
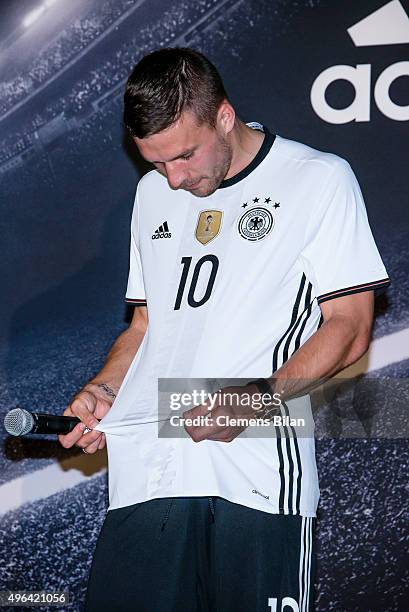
(253, 257)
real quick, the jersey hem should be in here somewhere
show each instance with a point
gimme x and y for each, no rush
(135, 301)
(384, 282)
(233, 500)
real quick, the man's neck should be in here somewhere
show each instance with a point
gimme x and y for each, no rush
(246, 143)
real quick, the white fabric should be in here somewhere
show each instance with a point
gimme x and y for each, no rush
(262, 307)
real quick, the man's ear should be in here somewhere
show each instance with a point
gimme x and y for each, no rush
(226, 117)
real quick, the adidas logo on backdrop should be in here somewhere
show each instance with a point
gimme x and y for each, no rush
(387, 25)
(162, 231)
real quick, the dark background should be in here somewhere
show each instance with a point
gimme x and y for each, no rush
(67, 182)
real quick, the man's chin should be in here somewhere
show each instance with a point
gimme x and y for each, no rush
(202, 191)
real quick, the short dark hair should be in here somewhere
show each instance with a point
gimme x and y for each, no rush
(167, 82)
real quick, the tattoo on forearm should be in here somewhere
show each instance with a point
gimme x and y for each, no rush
(107, 390)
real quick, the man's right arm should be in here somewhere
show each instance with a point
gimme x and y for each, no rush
(97, 396)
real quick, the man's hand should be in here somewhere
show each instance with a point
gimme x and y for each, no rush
(233, 407)
(340, 341)
(90, 404)
(96, 398)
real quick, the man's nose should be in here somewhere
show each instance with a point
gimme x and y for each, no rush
(175, 176)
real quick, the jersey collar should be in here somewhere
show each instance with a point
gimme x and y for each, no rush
(266, 145)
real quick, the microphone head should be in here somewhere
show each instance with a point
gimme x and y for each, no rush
(18, 422)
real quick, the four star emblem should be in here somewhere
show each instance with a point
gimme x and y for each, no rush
(266, 201)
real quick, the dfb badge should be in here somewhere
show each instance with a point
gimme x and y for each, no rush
(255, 224)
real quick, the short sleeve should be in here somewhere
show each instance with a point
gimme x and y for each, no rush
(135, 292)
(340, 254)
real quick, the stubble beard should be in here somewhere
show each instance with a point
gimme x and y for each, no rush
(222, 168)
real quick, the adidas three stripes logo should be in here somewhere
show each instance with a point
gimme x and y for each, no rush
(162, 231)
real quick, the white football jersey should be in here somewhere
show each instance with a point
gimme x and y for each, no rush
(233, 284)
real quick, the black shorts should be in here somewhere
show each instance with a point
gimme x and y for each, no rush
(201, 554)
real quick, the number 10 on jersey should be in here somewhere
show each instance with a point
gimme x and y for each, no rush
(193, 300)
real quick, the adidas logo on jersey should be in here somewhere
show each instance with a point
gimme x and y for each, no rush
(162, 231)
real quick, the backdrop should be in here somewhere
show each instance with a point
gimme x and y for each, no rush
(332, 74)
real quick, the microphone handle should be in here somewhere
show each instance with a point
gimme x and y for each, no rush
(52, 424)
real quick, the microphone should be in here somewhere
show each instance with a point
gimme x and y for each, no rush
(19, 422)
